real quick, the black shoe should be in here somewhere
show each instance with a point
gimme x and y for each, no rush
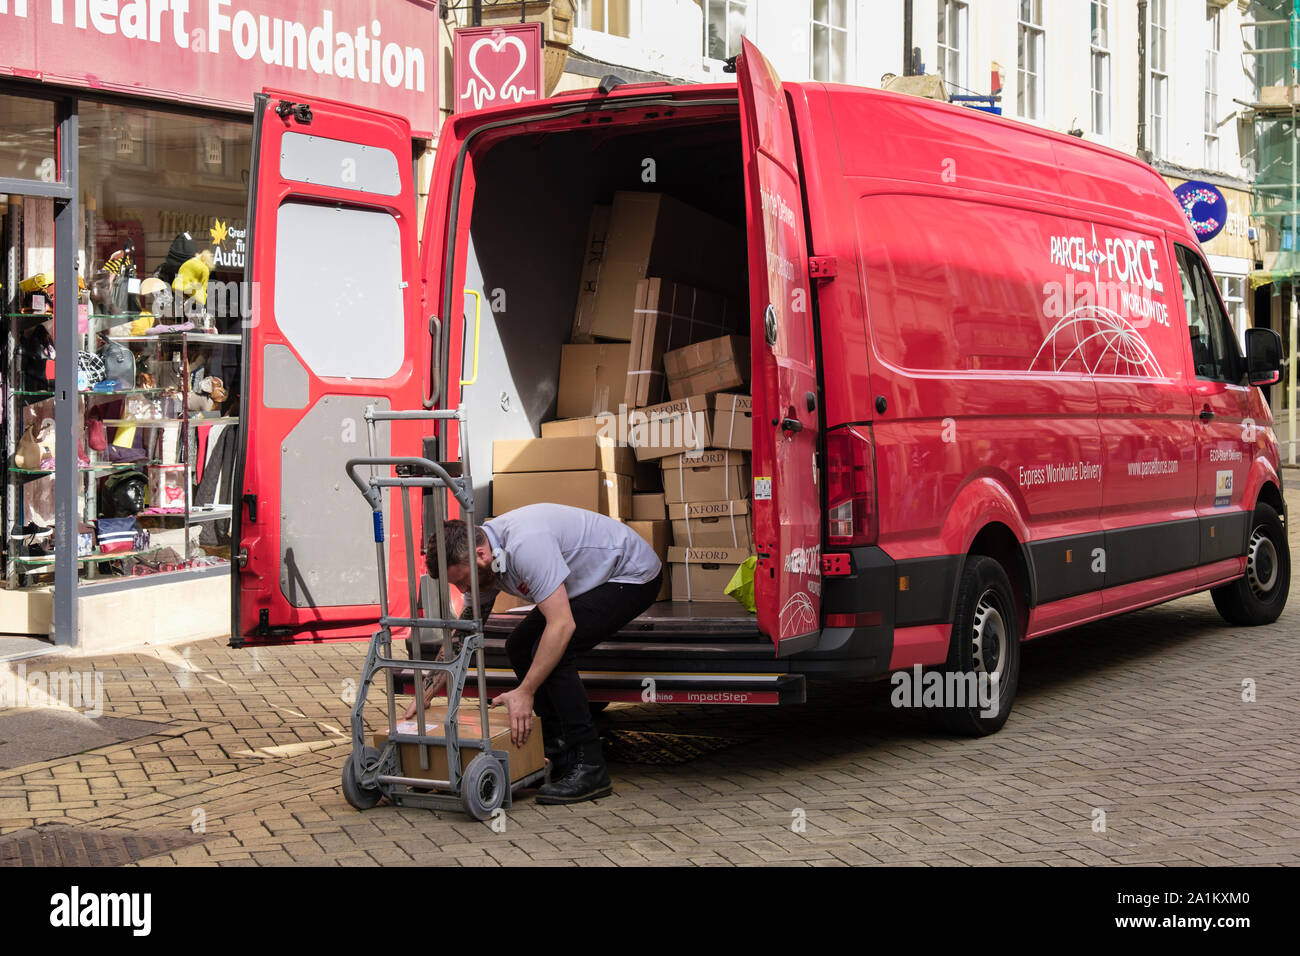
(586, 779)
(560, 756)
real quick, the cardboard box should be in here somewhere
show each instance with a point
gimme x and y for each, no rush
(670, 428)
(604, 492)
(505, 601)
(702, 574)
(651, 234)
(592, 379)
(651, 507)
(668, 316)
(712, 524)
(524, 760)
(714, 365)
(593, 255)
(658, 535)
(572, 427)
(711, 475)
(573, 453)
(732, 425)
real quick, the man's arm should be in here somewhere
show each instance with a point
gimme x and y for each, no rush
(550, 648)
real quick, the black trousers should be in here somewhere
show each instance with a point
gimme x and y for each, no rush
(598, 614)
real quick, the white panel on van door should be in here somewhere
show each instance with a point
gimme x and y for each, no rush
(338, 289)
(343, 165)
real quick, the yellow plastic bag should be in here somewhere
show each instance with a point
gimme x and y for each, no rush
(741, 585)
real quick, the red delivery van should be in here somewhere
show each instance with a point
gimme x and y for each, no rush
(995, 391)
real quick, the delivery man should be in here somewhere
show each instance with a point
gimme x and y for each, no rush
(588, 575)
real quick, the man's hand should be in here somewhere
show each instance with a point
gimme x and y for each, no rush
(519, 704)
(432, 686)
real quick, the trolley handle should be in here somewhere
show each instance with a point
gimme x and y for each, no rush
(371, 493)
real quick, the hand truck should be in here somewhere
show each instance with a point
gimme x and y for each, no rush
(369, 774)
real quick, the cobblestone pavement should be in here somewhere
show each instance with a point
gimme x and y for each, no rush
(1141, 718)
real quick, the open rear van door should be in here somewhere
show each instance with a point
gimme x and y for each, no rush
(334, 285)
(787, 499)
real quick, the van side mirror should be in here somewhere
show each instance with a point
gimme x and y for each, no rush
(1263, 356)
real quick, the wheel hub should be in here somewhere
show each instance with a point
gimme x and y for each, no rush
(1261, 564)
(988, 636)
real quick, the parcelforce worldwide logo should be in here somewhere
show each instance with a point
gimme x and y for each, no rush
(1125, 260)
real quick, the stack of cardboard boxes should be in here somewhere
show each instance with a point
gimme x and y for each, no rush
(652, 424)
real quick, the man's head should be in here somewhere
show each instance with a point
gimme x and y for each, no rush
(461, 555)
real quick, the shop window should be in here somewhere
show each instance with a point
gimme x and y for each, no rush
(161, 242)
(27, 142)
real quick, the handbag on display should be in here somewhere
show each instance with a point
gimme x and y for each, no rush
(36, 352)
(110, 289)
(35, 450)
(96, 433)
(119, 365)
(116, 534)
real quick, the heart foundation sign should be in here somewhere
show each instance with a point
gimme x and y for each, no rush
(498, 65)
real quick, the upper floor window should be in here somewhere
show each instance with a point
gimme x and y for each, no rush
(605, 16)
(953, 43)
(1100, 48)
(1158, 67)
(1212, 47)
(830, 40)
(1030, 54)
(725, 22)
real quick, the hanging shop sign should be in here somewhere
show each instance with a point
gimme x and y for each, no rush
(496, 65)
(218, 53)
(1205, 206)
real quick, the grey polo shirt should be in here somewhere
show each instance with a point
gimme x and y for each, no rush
(544, 546)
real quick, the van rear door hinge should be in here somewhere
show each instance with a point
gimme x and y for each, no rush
(821, 267)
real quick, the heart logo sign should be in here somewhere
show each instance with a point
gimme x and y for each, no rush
(499, 53)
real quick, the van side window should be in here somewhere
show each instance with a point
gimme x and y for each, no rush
(1215, 354)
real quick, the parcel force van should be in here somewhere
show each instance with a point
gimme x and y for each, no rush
(995, 391)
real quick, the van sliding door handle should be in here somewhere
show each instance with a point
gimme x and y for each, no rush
(1207, 413)
(789, 424)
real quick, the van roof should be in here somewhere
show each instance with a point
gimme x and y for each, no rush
(911, 138)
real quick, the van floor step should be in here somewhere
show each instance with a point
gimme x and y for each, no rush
(668, 619)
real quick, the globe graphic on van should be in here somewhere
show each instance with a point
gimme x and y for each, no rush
(1096, 341)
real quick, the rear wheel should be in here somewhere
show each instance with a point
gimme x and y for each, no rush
(983, 666)
(1260, 595)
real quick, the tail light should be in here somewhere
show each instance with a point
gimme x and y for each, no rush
(850, 488)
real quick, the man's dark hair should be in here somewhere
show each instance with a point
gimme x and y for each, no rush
(455, 536)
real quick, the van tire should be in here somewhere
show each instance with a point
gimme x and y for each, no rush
(985, 634)
(1259, 596)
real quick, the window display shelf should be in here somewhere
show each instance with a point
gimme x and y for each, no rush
(195, 335)
(104, 467)
(197, 513)
(85, 558)
(160, 422)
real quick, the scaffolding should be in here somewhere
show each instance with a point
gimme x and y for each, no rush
(1271, 44)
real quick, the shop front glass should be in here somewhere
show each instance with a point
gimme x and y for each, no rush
(160, 254)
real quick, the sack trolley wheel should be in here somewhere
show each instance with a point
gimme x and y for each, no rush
(483, 787)
(359, 797)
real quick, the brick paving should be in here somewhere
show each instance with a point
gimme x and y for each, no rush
(1140, 719)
